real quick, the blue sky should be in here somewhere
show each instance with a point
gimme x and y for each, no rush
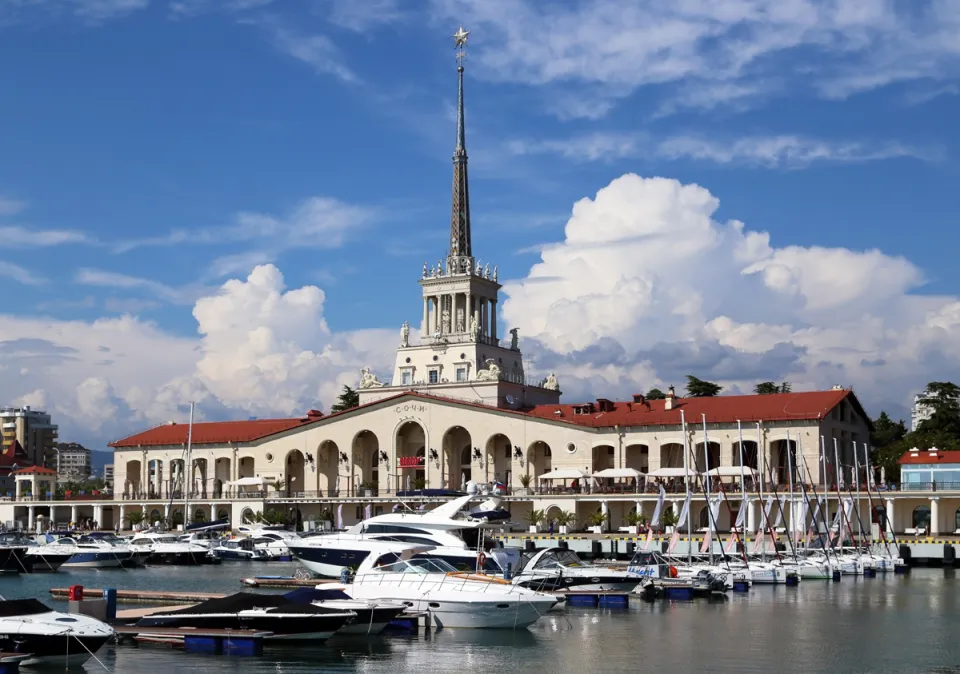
(151, 151)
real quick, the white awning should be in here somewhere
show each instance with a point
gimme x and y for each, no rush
(564, 474)
(670, 472)
(250, 482)
(620, 472)
(732, 471)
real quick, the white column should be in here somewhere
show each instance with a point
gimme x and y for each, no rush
(424, 328)
(751, 525)
(167, 512)
(467, 311)
(484, 330)
(935, 516)
(144, 473)
(32, 518)
(123, 516)
(74, 514)
(493, 319)
(53, 516)
(98, 514)
(213, 511)
(888, 504)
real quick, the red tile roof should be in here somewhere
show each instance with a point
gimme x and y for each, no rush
(35, 470)
(719, 409)
(924, 456)
(211, 432)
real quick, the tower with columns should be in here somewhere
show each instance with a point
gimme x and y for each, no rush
(459, 353)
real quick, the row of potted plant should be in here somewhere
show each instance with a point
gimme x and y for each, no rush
(595, 521)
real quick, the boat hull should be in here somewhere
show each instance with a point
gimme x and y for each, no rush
(98, 560)
(48, 562)
(181, 559)
(575, 584)
(327, 562)
(298, 627)
(15, 560)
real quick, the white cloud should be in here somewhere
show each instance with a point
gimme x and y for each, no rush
(20, 275)
(718, 50)
(10, 206)
(262, 350)
(362, 16)
(316, 50)
(646, 281)
(786, 151)
(14, 236)
(108, 279)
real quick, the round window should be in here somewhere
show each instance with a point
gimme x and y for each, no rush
(436, 358)
(463, 356)
(269, 456)
(571, 447)
(408, 359)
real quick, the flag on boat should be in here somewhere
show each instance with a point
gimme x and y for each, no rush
(367, 513)
(742, 515)
(499, 487)
(684, 511)
(731, 542)
(707, 541)
(674, 539)
(655, 521)
(758, 542)
(340, 516)
(649, 538)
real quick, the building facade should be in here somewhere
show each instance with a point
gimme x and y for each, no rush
(33, 429)
(108, 475)
(73, 462)
(458, 408)
(920, 411)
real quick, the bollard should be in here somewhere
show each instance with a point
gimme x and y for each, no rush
(836, 575)
(631, 549)
(563, 545)
(110, 595)
(508, 572)
(614, 549)
(596, 549)
(76, 593)
(906, 554)
(529, 546)
(949, 554)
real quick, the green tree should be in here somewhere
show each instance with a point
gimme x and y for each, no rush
(698, 388)
(348, 399)
(943, 399)
(655, 394)
(888, 439)
(768, 387)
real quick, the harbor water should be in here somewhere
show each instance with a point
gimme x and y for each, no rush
(884, 624)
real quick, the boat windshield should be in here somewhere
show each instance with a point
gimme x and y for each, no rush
(555, 558)
(418, 565)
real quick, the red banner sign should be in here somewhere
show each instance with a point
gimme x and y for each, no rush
(411, 461)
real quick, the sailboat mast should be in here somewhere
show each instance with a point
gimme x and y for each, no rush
(763, 511)
(883, 525)
(793, 505)
(826, 480)
(745, 520)
(686, 482)
(188, 482)
(856, 482)
(706, 481)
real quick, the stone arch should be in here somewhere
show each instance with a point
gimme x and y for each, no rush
(218, 488)
(783, 457)
(175, 480)
(602, 456)
(921, 517)
(410, 443)
(457, 450)
(327, 466)
(246, 467)
(199, 514)
(750, 454)
(499, 453)
(539, 458)
(155, 478)
(637, 456)
(247, 516)
(671, 455)
(133, 486)
(713, 454)
(221, 475)
(156, 515)
(198, 481)
(223, 514)
(293, 472)
(365, 464)
(703, 519)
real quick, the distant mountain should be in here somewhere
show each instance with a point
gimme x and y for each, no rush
(99, 459)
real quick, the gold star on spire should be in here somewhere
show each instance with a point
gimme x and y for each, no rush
(460, 38)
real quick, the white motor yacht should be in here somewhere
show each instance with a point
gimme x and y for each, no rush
(444, 526)
(28, 626)
(552, 569)
(169, 549)
(89, 553)
(452, 598)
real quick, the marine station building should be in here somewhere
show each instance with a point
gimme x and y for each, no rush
(459, 408)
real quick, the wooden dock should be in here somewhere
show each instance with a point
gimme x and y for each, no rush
(141, 596)
(227, 642)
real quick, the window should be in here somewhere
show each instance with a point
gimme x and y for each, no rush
(406, 377)
(461, 374)
(434, 376)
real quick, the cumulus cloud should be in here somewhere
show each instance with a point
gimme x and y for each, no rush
(260, 349)
(646, 282)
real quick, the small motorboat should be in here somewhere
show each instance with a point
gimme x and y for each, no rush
(29, 626)
(14, 553)
(552, 569)
(89, 553)
(274, 613)
(372, 616)
(169, 549)
(239, 549)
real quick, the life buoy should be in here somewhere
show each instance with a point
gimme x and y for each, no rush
(481, 562)
(673, 572)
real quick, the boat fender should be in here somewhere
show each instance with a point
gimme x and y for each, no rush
(673, 572)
